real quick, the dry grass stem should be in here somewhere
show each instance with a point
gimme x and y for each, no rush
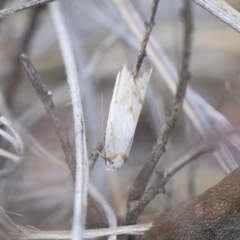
(45, 96)
(223, 11)
(15, 140)
(82, 169)
(88, 234)
(23, 6)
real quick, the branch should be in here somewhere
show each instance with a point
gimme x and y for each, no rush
(45, 96)
(82, 170)
(23, 6)
(223, 11)
(148, 29)
(139, 186)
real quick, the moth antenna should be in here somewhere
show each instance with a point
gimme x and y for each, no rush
(96, 150)
(70, 103)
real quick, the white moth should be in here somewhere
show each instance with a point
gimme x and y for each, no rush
(125, 108)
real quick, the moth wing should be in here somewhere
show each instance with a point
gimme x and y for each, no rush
(117, 106)
(124, 112)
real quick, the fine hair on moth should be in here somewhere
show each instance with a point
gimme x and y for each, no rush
(125, 108)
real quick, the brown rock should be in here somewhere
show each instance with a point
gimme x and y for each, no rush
(215, 214)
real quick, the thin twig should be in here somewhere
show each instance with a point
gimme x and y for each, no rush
(88, 234)
(23, 6)
(223, 11)
(94, 156)
(139, 186)
(188, 157)
(82, 170)
(45, 96)
(148, 29)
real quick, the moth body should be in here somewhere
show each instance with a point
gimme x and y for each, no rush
(125, 108)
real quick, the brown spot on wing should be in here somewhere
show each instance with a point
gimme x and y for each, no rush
(114, 156)
(112, 132)
(131, 112)
(140, 100)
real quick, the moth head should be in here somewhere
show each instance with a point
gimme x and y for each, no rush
(115, 162)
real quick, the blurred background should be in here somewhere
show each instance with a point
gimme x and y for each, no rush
(42, 189)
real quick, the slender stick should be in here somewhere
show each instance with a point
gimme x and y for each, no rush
(148, 29)
(139, 186)
(94, 156)
(23, 6)
(223, 11)
(82, 170)
(188, 157)
(45, 96)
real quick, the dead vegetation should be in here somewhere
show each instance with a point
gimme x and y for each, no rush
(52, 175)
